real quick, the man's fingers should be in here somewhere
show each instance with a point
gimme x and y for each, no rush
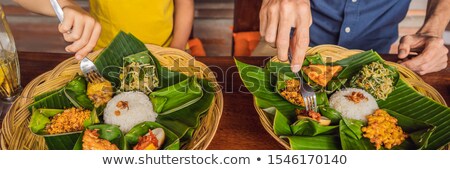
(91, 44)
(299, 47)
(405, 46)
(263, 18)
(283, 35)
(431, 67)
(434, 61)
(272, 24)
(433, 54)
(301, 40)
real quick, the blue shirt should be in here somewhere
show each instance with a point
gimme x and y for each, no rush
(357, 24)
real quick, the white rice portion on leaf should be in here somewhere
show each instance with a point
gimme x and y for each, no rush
(140, 109)
(350, 109)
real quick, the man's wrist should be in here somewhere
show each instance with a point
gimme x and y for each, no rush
(433, 26)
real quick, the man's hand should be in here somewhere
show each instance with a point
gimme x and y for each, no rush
(432, 53)
(277, 17)
(80, 29)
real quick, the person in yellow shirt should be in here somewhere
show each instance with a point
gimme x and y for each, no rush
(166, 23)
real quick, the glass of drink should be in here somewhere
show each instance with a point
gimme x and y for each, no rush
(9, 63)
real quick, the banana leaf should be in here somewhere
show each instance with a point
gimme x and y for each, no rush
(55, 100)
(321, 142)
(407, 101)
(62, 141)
(41, 117)
(335, 84)
(76, 92)
(176, 97)
(418, 133)
(350, 140)
(281, 123)
(111, 133)
(110, 61)
(171, 142)
(139, 73)
(262, 84)
(73, 94)
(45, 94)
(331, 114)
(184, 121)
(309, 127)
(354, 63)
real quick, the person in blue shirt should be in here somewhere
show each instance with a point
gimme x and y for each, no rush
(355, 24)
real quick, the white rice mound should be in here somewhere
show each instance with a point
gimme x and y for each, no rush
(350, 109)
(140, 109)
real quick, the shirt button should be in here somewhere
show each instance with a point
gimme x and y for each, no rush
(354, 0)
(347, 29)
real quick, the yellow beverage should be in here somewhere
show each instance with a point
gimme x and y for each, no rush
(9, 76)
(9, 63)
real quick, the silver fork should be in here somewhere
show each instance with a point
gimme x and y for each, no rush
(87, 66)
(308, 94)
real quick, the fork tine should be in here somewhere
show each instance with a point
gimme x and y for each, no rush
(314, 103)
(310, 103)
(305, 100)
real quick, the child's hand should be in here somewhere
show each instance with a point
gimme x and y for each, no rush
(79, 28)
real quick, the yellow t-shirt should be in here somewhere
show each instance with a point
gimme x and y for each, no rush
(151, 21)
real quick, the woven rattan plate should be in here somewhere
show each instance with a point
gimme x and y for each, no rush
(15, 133)
(334, 53)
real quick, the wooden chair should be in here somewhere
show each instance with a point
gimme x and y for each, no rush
(246, 26)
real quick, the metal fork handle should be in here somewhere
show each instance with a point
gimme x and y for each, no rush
(58, 10)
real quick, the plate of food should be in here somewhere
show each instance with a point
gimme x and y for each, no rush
(149, 98)
(363, 103)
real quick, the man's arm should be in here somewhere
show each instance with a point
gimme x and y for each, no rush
(183, 19)
(277, 17)
(437, 18)
(428, 40)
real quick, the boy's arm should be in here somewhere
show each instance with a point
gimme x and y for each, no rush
(42, 6)
(183, 19)
(78, 26)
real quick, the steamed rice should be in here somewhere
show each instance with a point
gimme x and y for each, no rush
(138, 109)
(350, 109)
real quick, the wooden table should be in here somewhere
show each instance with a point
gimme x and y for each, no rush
(239, 127)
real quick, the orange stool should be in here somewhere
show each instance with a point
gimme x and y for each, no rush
(245, 43)
(196, 47)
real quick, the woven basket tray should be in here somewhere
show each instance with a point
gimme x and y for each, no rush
(15, 133)
(334, 53)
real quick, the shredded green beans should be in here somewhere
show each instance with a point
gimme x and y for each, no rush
(375, 79)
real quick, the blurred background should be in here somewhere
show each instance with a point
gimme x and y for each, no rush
(214, 26)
